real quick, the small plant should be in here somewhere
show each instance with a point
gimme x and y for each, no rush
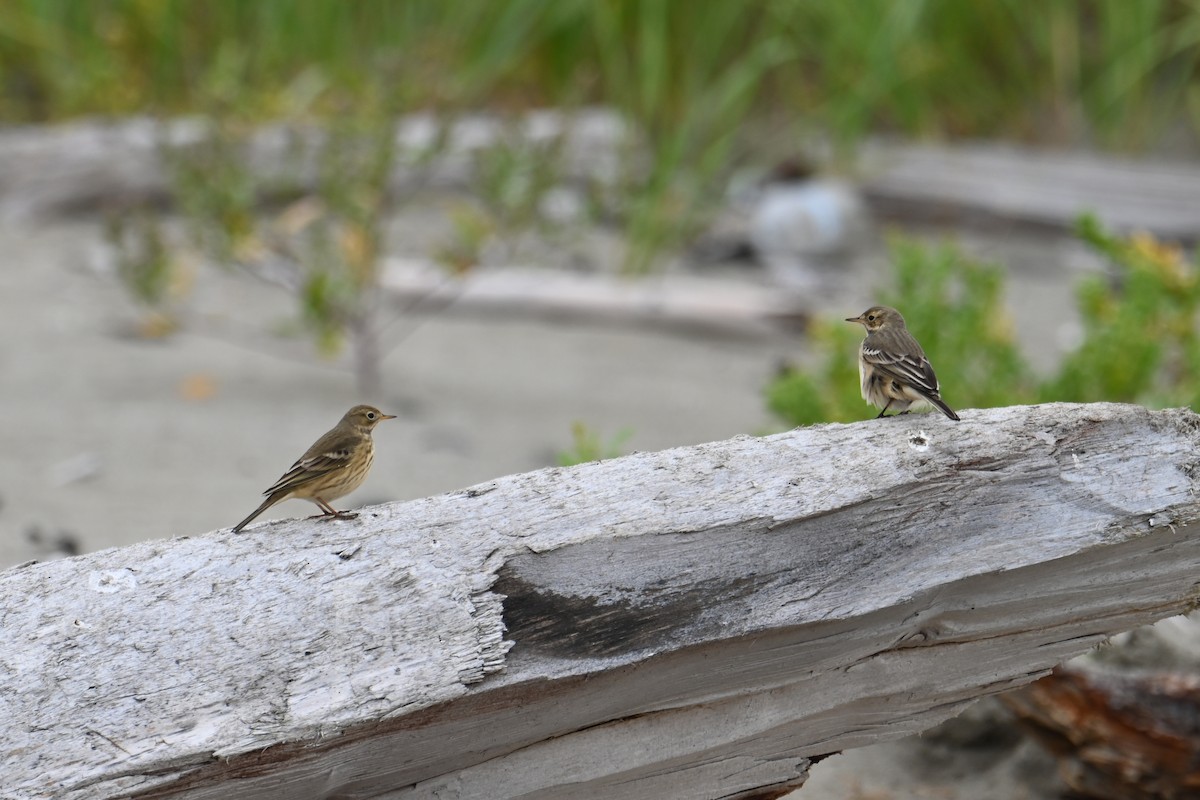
(513, 175)
(1139, 321)
(514, 183)
(588, 446)
(472, 229)
(148, 269)
(324, 247)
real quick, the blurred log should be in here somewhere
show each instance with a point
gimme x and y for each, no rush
(701, 622)
(686, 303)
(87, 166)
(999, 185)
(1118, 736)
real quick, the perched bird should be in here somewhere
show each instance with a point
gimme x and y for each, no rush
(892, 367)
(333, 467)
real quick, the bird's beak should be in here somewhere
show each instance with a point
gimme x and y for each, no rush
(382, 417)
(857, 319)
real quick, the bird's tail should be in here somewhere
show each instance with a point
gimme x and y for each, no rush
(270, 501)
(937, 402)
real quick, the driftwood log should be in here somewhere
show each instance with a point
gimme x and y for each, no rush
(1124, 719)
(84, 166)
(682, 302)
(701, 622)
(998, 185)
(1118, 736)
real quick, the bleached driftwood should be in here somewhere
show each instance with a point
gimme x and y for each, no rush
(693, 623)
(84, 166)
(676, 301)
(998, 184)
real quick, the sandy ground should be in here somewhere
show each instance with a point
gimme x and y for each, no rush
(110, 439)
(118, 439)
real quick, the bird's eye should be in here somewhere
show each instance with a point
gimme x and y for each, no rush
(870, 318)
(370, 415)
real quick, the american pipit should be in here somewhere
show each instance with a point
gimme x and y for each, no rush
(333, 467)
(892, 367)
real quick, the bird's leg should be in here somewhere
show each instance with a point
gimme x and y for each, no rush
(329, 512)
(886, 406)
(333, 513)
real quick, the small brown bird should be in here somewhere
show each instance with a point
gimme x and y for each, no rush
(892, 367)
(333, 467)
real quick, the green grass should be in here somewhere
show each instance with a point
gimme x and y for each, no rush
(1116, 71)
(587, 445)
(706, 85)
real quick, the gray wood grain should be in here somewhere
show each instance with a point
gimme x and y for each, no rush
(997, 184)
(698, 622)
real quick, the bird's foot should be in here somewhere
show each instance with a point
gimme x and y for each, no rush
(334, 515)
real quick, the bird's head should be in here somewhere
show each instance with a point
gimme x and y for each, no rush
(365, 418)
(877, 317)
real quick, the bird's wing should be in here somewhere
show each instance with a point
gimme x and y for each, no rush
(331, 452)
(913, 370)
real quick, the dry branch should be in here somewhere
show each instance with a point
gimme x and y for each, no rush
(698, 622)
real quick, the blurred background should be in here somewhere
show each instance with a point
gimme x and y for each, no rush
(547, 233)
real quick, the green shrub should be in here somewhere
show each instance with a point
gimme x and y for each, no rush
(1139, 337)
(1139, 341)
(586, 445)
(953, 306)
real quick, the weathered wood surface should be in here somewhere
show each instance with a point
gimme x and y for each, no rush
(693, 623)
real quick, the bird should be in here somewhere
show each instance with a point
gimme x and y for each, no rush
(333, 467)
(892, 367)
